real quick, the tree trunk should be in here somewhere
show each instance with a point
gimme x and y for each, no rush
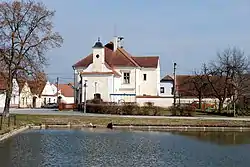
(200, 98)
(220, 106)
(8, 98)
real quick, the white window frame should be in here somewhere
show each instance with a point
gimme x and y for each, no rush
(126, 81)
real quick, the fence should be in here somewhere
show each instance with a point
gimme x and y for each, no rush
(156, 100)
(118, 98)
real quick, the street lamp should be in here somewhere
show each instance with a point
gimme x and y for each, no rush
(85, 94)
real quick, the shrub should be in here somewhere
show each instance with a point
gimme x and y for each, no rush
(149, 104)
(188, 110)
(175, 111)
(130, 109)
(185, 110)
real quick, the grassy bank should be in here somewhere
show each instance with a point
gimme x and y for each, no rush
(5, 128)
(79, 120)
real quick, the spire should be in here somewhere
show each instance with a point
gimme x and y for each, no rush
(98, 44)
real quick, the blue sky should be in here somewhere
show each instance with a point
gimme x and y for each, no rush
(188, 32)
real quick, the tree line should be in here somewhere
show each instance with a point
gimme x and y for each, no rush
(225, 78)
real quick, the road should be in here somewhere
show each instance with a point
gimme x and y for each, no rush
(76, 113)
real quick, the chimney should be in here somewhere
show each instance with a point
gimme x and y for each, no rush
(117, 42)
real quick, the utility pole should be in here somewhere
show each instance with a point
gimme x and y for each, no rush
(174, 84)
(85, 94)
(57, 87)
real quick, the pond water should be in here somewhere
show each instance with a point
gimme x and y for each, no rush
(96, 148)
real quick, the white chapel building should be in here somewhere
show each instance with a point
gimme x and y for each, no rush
(114, 75)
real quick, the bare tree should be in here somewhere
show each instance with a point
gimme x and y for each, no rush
(199, 86)
(226, 75)
(26, 33)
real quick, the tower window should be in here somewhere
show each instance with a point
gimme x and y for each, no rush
(144, 77)
(97, 56)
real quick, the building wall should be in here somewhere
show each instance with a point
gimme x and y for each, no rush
(150, 85)
(167, 86)
(168, 101)
(2, 99)
(14, 96)
(39, 102)
(26, 97)
(45, 99)
(158, 101)
(67, 100)
(98, 63)
(14, 102)
(116, 85)
(102, 86)
(48, 94)
(126, 87)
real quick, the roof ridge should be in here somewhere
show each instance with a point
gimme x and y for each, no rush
(128, 57)
(146, 56)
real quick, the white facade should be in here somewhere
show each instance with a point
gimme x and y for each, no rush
(14, 96)
(66, 100)
(115, 82)
(2, 100)
(166, 89)
(49, 94)
(26, 97)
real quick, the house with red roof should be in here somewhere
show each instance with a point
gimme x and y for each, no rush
(188, 88)
(36, 93)
(113, 74)
(14, 102)
(66, 93)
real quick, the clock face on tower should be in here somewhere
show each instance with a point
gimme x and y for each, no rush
(97, 56)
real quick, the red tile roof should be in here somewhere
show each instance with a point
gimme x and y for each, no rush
(167, 78)
(186, 87)
(119, 58)
(66, 90)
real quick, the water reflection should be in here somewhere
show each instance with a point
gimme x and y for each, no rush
(97, 147)
(222, 138)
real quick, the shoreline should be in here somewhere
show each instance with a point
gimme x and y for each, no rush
(25, 122)
(149, 128)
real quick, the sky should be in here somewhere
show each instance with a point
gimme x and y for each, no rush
(188, 32)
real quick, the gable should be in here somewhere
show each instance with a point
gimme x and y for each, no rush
(49, 89)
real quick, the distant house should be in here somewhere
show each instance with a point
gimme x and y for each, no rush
(48, 94)
(14, 96)
(66, 93)
(36, 88)
(187, 91)
(166, 86)
(26, 96)
(113, 74)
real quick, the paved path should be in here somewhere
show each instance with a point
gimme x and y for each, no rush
(55, 112)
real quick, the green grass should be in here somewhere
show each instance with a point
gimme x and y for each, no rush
(5, 128)
(78, 120)
(81, 120)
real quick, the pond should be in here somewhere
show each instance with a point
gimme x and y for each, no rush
(66, 148)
